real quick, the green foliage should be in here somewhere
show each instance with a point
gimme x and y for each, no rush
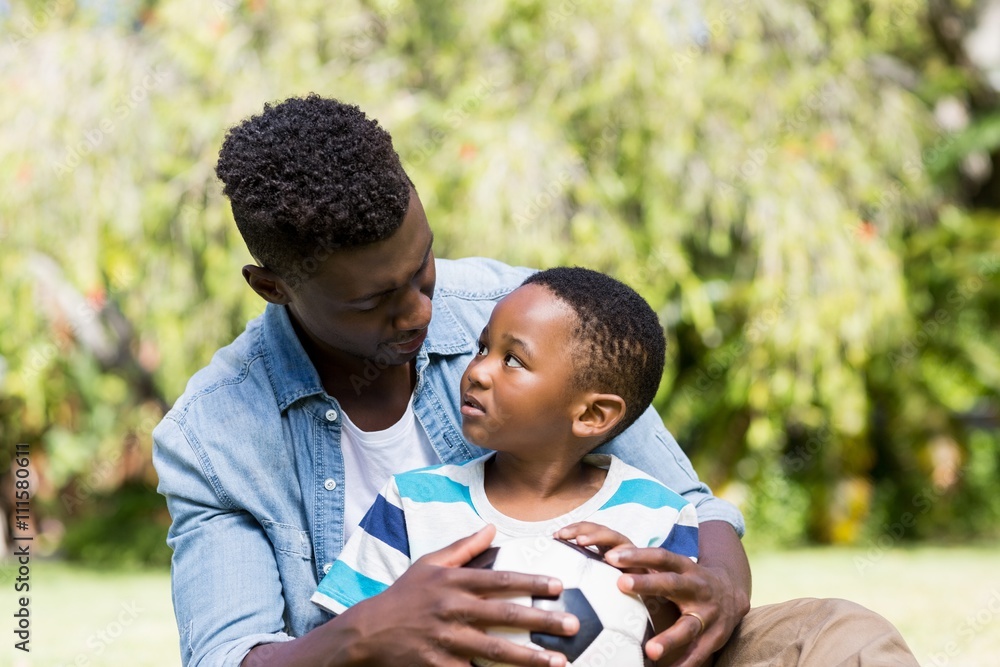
(125, 528)
(763, 175)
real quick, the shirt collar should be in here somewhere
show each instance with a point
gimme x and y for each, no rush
(292, 373)
(289, 368)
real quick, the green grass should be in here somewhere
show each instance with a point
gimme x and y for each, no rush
(944, 600)
(939, 597)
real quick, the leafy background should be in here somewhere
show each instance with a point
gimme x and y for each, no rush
(807, 192)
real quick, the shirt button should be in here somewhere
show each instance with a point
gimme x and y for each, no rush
(330, 484)
(326, 568)
(331, 415)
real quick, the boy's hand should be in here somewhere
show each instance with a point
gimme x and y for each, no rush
(436, 613)
(711, 598)
(589, 534)
(662, 611)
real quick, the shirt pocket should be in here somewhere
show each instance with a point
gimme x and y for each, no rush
(288, 540)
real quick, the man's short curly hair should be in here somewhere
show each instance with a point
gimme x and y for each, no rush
(619, 343)
(309, 176)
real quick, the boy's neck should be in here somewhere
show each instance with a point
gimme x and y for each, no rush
(535, 490)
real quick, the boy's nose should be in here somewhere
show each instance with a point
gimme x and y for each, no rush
(477, 373)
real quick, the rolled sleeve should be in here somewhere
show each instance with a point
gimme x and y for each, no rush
(650, 447)
(226, 590)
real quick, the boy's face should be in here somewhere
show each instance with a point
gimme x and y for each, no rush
(518, 390)
(372, 302)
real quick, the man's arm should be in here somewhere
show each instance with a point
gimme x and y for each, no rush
(229, 599)
(717, 588)
(432, 615)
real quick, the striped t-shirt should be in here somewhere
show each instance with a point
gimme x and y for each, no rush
(425, 510)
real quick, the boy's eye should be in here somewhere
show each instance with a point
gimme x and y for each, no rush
(482, 349)
(512, 361)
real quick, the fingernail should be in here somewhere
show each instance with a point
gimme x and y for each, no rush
(611, 557)
(627, 582)
(569, 624)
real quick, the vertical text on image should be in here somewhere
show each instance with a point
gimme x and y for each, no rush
(22, 549)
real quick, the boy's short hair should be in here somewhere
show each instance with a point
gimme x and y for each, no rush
(620, 346)
(308, 176)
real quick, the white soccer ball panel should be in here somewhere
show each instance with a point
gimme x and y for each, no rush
(619, 622)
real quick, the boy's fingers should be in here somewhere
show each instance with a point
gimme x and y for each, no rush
(586, 533)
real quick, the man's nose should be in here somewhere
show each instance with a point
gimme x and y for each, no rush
(414, 310)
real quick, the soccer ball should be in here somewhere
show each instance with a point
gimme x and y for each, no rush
(614, 626)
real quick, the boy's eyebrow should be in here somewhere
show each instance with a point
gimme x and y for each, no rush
(366, 297)
(514, 340)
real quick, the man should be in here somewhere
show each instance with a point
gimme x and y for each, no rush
(276, 449)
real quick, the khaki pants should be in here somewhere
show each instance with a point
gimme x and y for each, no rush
(815, 633)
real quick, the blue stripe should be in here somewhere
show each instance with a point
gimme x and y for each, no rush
(386, 522)
(645, 492)
(428, 487)
(348, 587)
(682, 540)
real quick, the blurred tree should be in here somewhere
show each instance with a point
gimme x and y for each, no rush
(770, 175)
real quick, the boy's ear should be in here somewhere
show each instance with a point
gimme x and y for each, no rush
(267, 284)
(598, 415)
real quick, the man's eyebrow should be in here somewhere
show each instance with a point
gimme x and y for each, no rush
(373, 295)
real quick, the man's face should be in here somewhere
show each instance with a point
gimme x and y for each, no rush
(372, 302)
(518, 390)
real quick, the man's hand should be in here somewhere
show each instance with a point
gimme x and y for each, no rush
(435, 614)
(714, 593)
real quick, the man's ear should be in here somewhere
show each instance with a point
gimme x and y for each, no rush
(599, 413)
(267, 284)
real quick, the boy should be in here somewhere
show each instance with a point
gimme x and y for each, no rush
(566, 362)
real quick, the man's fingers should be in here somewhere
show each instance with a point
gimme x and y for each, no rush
(462, 551)
(679, 644)
(504, 614)
(475, 644)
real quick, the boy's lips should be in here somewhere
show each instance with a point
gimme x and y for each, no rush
(472, 407)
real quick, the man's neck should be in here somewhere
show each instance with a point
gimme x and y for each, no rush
(374, 397)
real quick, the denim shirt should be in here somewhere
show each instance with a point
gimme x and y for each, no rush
(249, 461)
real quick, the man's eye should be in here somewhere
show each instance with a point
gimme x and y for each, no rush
(512, 361)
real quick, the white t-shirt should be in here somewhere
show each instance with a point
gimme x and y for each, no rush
(372, 457)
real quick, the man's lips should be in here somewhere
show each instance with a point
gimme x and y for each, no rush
(471, 407)
(413, 344)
